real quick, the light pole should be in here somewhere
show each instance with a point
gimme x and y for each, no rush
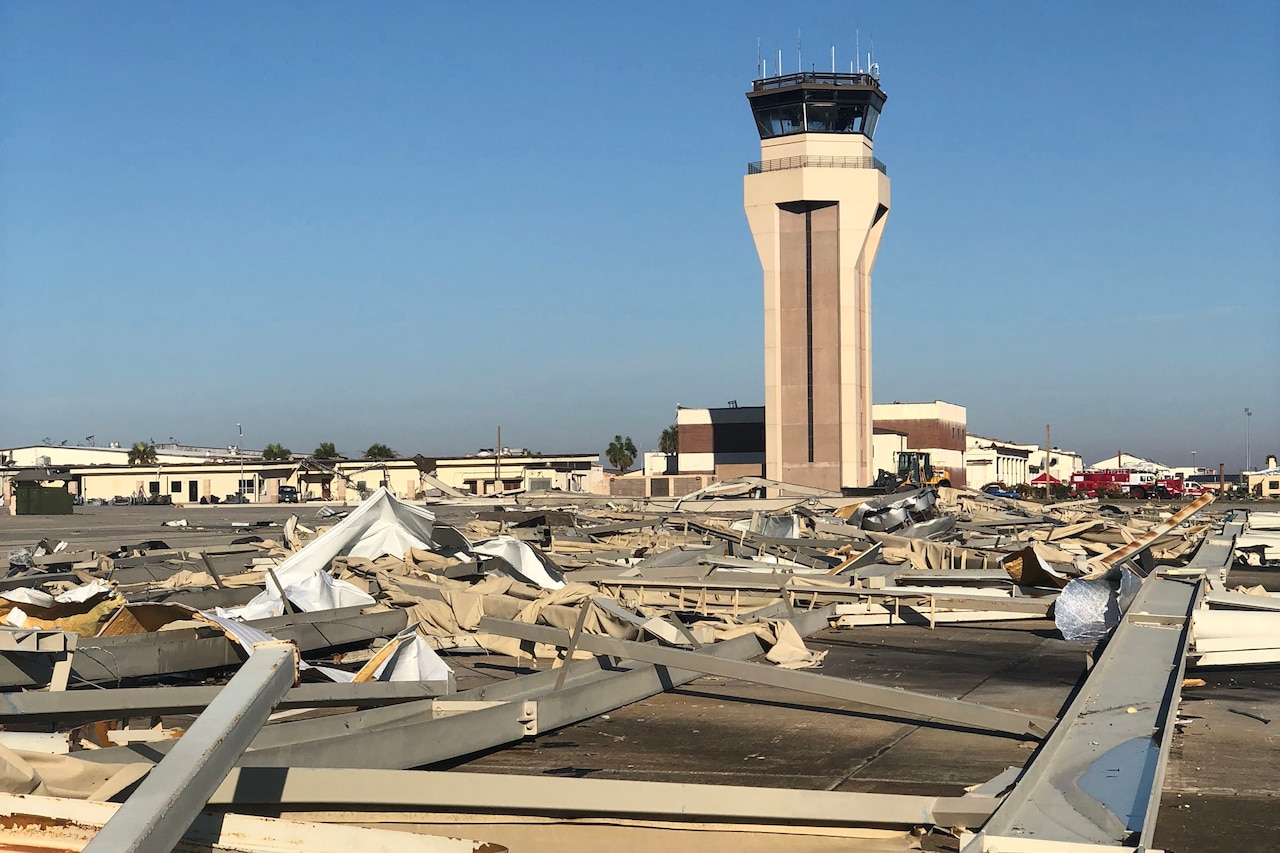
(1248, 455)
(1194, 470)
(240, 453)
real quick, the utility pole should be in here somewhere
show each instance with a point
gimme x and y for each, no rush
(1048, 449)
(1248, 455)
(497, 463)
(240, 453)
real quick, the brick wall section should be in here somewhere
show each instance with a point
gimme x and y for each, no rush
(722, 438)
(931, 432)
(627, 487)
(681, 486)
(696, 438)
(658, 487)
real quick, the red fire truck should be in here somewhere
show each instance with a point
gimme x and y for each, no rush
(1127, 482)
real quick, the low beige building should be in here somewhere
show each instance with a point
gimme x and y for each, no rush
(114, 454)
(183, 480)
(1265, 483)
(183, 483)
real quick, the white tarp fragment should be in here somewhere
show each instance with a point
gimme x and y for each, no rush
(789, 650)
(522, 560)
(412, 659)
(26, 595)
(76, 595)
(380, 526)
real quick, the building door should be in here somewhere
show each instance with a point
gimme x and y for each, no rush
(193, 491)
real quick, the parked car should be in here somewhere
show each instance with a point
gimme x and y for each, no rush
(997, 490)
(1193, 490)
(288, 494)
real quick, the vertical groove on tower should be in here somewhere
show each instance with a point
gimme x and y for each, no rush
(808, 319)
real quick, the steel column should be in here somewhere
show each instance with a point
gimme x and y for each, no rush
(159, 812)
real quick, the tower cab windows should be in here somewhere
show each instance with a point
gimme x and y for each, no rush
(816, 103)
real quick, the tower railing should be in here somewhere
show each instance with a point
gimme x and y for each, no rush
(815, 160)
(820, 78)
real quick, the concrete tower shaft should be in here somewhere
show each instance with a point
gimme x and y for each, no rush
(817, 202)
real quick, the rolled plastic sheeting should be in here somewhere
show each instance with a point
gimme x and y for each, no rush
(1087, 610)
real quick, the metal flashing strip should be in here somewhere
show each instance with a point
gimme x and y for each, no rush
(501, 793)
(1146, 539)
(936, 708)
(30, 822)
(76, 707)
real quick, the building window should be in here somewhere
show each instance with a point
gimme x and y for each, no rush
(154, 488)
(175, 486)
(246, 487)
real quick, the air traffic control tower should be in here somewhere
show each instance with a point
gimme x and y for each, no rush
(816, 202)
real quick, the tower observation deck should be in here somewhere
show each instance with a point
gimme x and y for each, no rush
(817, 202)
(816, 102)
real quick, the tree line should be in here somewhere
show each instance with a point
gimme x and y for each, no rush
(621, 452)
(144, 452)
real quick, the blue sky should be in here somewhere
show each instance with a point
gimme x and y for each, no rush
(411, 223)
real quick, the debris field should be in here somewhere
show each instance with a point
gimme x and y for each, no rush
(756, 666)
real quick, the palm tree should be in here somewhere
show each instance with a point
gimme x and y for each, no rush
(275, 452)
(379, 451)
(669, 441)
(621, 453)
(325, 450)
(142, 453)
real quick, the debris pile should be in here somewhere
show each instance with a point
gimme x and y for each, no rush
(331, 645)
